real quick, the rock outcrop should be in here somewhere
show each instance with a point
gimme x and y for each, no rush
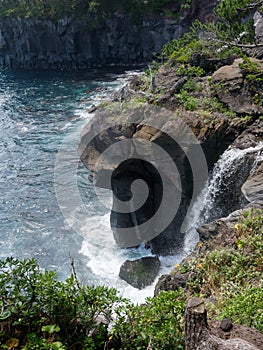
(199, 337)
(144, 144)
(185, 138)
(253, 187)
(171, 282)
(219, 234)
(141, 272)
(127, 120)
(237, 89)
(74, 43)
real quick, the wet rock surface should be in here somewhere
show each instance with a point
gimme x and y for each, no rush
(253, 187)
(152, 125)
(141, 272)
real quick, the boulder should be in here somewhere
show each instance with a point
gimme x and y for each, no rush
(236, 88)
(141, 272)
(207, 231)
(171, 282)
(253, 187)
(250, 137)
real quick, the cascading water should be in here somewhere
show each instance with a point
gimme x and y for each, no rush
(222, 192)
(37, 112)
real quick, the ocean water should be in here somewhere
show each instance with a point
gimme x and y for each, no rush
(48, 208)
(40, 112)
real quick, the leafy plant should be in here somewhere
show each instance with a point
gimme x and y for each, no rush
(190, 71)
(233, 276)
(189, 102)
(158, 324)
(82, 8)
(243, 305)
(38, 306)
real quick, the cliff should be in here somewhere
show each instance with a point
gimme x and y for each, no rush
(71, 44)
(171, 149)
(74, 43)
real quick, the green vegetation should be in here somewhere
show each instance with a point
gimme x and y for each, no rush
(189, 102)
(198, 54)
(158, 324)
(54, 10)
(38, 312)
(233, 275)
(226, 35)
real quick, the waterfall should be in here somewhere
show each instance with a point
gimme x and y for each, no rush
(222, 192)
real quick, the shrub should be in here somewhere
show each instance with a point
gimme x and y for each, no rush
(243, 305)
(233, 276)
(158, 324)
(42, 310)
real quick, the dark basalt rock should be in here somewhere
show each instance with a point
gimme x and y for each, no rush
(141, 272)
(226, 325)
(111, 125)
(225, 329)
(207, 231)
(130, 125)
(171, 282)
(198, 334)
(253, 187)
(72, 43)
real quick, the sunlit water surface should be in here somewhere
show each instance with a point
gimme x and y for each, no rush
(38, 111)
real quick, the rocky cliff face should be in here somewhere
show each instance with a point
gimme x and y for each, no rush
(72, 43)
(119, 146)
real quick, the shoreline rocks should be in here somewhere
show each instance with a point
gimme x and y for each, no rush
(141, 272)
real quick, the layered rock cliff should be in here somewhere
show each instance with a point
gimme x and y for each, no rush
(72, 43)
(193, 140)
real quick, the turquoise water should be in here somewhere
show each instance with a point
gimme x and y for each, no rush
(39, 111)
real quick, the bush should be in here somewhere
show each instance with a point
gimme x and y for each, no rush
(54, 10)
(243, 305)
(218, 38)
(233, 276)
(39, 310)
(157, 325)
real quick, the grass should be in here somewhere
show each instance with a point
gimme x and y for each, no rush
(38, 312)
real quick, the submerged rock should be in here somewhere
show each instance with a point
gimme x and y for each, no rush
(141, 272)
